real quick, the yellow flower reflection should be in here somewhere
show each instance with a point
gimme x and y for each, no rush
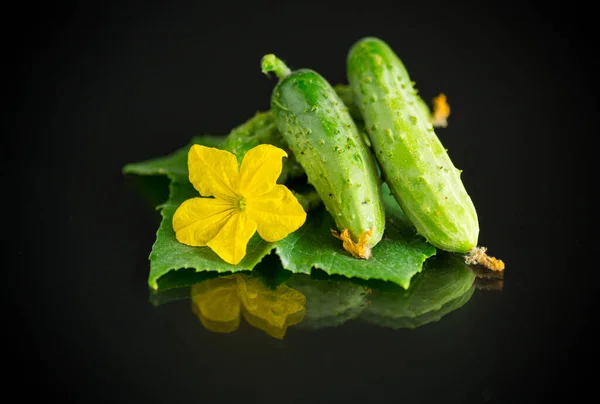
(219, 304)
(245, 200)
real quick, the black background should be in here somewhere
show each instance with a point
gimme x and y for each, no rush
(100, 86)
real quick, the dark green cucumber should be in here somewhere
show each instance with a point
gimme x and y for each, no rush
(261, 129)
(414, 163)
(319, 130)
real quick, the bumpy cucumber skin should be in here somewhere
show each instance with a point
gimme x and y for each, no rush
(346, 94)
(325, 140)
(413, 161)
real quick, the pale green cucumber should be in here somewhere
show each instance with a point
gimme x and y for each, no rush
(318, 128)
(414, 163)
(346, 94)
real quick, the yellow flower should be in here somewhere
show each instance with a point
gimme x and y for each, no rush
(245, 200)
(220, 303)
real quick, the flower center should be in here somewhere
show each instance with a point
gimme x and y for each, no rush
(242, 204)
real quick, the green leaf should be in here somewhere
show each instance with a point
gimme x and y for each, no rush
(175, 285)
(184, 278)
(270, 271)
(445, 277)
(397, 257)
(168, 254)
(173, 165)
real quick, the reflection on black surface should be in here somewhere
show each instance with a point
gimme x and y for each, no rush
(445, 284)
(220, 303)
(488, 280)
(316, 301)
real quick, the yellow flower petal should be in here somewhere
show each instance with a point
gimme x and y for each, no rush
(230, 243)
(260, 169)
(198, 220)
(213, 172)
(277, 213)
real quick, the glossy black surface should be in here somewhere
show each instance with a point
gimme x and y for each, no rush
(101, 86)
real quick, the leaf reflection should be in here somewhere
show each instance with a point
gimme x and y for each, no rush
(272, 299)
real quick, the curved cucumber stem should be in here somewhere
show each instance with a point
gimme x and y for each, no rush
(272, 64)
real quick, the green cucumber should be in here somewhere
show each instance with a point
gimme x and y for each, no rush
(319, 130)
(261, 129)
(346, 94)
(413, 161)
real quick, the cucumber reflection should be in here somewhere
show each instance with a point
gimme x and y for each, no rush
(317, 301)
(445, 284)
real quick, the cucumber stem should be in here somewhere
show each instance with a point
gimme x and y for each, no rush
(478, 256)
(272, 64)
(359, 249)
